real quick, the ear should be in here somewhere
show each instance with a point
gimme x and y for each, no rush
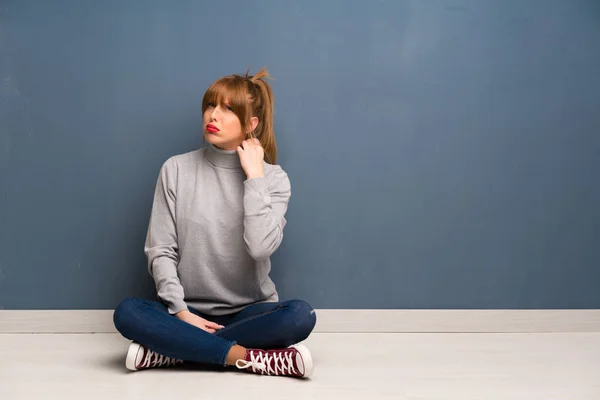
(253, 123)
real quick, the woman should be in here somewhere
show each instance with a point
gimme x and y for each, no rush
(217, 217)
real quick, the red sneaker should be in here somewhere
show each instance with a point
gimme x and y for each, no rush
(293, 361)
(140, 357)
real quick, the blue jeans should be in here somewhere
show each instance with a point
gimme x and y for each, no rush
(258, 326)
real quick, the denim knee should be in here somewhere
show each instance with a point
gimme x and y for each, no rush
(124, 313)
(304, 319)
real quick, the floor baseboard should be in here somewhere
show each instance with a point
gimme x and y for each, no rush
(341, 320)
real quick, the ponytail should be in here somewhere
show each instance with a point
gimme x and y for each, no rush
(263, 107)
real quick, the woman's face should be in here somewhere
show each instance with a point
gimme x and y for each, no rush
(221, 127)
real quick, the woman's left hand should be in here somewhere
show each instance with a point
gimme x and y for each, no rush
(252, 156)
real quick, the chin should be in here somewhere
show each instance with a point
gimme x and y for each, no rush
(211, 138)
(215, 140)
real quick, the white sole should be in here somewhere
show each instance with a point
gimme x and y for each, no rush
(132, 353)
(306, 358)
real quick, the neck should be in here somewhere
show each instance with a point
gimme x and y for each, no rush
(222, 158)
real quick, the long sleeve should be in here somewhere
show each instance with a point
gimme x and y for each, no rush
(161, 241)
(265, 204)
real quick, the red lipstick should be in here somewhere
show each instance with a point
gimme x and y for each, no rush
(211, 128)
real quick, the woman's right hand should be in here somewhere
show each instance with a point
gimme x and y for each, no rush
(193, 319)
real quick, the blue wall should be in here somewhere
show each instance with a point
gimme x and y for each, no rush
(442, 154)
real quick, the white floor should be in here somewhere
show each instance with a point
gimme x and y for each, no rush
(554, 366)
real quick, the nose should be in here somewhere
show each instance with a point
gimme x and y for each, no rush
(215, 112)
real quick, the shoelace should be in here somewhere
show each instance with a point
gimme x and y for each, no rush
(153, 359)
(261, 361)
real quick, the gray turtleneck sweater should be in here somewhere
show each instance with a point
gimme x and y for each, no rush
(212, 232)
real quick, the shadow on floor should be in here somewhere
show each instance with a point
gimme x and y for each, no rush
(116, 363)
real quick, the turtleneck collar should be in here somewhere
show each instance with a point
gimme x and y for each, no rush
(222, 158)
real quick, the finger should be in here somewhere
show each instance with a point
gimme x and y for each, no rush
(209, 330)
(214, 325)
(239, 149)
(201, 326)
(256, 141)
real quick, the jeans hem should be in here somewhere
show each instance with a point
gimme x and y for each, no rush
(225, 352)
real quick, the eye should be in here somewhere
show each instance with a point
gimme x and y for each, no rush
(229, 108)
(210, 105)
